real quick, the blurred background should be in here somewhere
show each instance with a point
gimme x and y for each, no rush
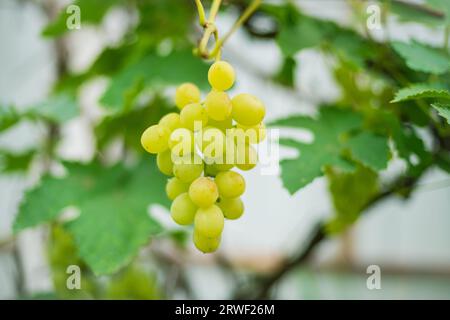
(263, 253)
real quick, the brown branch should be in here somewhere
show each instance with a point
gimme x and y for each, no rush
(264, 285)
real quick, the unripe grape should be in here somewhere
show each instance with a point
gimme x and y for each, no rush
(164, 162)
(223, 166)
(221, 75)
(218, 105)
(155, 139)
(203, 192)
(171, 121)
(185, 94)
(231, 184)
(175, 187)
(181, 142)
(183, 209)
(222, 125)
(253, 134)
(212, 142)
(213, 169)
(188, 168)
(246, 157)
(191, 113)
(247, 109)
(232, 208)
(205, 244)
(209, 221)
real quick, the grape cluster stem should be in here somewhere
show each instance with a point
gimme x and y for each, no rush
(209, 28)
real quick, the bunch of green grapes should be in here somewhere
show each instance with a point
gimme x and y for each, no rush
(198, 148)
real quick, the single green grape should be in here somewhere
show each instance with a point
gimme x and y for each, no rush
(247, 109)
(232, 208)
(203, 192)
(164, 162)
(193, 116)
(185, 94)
(205, 244)
(230, 184)
(175, 187)
(171, 121)
(155, 139)
(209, 221)
(183, 209)
(181, 142)
(218, 105)
(188, 168)
(221, 75)
(246, 157)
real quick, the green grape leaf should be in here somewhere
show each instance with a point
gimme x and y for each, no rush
(130, 124)
(407, 143)
(58, 109)
(370, 149)
(350, 193)
(91, 12)
(421, 91)
(420, 57)
(351, 47)
(15, 162)
(407, 13)
(134, 283)
(9, 117)
(286, 74)
(113, 202)
(443, 6)
(443, 110)
(153, 70)
(306, 32)
(326, 150)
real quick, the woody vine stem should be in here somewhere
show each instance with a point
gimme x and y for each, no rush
(210, 29)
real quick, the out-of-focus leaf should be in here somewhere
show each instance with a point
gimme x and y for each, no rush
(443, 6)
(9, 116)
(351, 47)
(443, 161)
(15, 162)
(350, 191)
(134, 283)
(421, 91)
(153, 71)
(62, 254)
(91, 12)
(370, 149)
(443, 110)
(113, 202)
(166, 19)
(421, 57)
(306, 32)
(286, 74)
(130, 124)
(407, 143)
(408, 13)
(326, 149)
(58, 109)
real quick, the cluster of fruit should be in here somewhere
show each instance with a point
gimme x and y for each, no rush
(199, 146)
